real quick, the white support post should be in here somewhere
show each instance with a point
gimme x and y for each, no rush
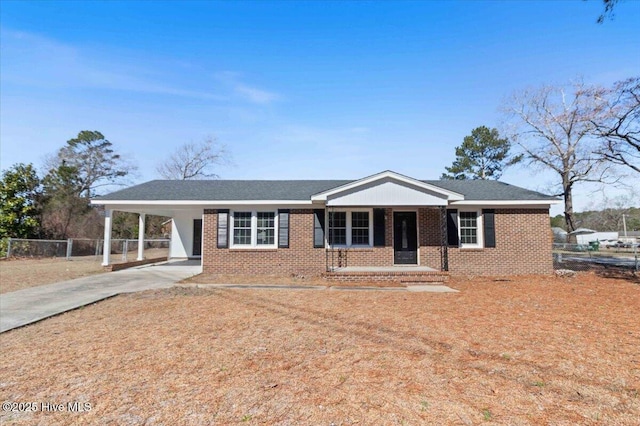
(106, 252)
(141, 236)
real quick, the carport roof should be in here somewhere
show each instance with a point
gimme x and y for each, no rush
(302, 190)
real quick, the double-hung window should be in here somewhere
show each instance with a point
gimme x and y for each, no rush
(360, 228)
(266, 229)
(242, 228)
(254, 229)
(338, 228)
(350, 228)
(470, 226)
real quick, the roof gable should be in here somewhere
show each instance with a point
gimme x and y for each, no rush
(387, 189)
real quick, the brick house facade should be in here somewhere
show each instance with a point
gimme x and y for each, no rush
(523, 246)
(382, 221)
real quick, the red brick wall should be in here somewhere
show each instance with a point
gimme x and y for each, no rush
(299, 258)
(523, 246)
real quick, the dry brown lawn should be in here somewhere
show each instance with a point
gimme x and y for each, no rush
(16, 274)
(290, 280)
(527, 351)
(19, 273)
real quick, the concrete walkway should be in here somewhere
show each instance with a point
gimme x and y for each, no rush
(33, 304)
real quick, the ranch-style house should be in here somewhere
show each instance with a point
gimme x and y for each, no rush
(386, 222)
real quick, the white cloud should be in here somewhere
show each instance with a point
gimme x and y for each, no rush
(255, 95)
(32, 60)
(249, 93)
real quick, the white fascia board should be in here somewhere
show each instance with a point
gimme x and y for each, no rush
(511, 203)
(322, 196)
(182, 203)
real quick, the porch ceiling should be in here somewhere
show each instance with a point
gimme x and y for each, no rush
(158, 210)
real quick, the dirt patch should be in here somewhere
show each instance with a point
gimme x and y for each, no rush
(517, 351)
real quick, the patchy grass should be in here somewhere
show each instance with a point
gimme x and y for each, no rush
(526, 351)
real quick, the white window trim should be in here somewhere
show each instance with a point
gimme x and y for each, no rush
(349, 228)
(254, 230)
(480, 230)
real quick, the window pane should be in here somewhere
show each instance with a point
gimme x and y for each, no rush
(338, 220)
(266, 220)
(360, 228)
(468, 227)
(242, 220)
(242, 236)
(360, 236)
(266, 228)
(338, 236)
(242, 228)
(338, 228)
(360, 219)
(266, 236)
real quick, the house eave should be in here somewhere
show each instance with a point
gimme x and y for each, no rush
(511, 203)
(203, 203)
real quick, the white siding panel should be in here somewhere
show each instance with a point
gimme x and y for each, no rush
(182, 233)
(387, 193)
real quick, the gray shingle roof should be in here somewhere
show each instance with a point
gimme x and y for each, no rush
(488, 190)
(245, 190)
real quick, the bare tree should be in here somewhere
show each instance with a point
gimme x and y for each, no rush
(553, 127)
(194, 161)
(618, 124)
(609, 5)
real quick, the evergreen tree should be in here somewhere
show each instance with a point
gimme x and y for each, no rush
(19, 192)
(482, 155)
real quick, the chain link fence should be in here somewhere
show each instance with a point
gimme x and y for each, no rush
(596, 257)
(84, 247)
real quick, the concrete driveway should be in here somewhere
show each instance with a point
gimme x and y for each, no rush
(33, 304)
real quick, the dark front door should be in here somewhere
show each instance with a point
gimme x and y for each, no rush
(405, 238)
(197, 237)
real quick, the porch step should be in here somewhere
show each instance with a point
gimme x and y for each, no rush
(407, 277)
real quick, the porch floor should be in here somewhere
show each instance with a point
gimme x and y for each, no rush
(403, 274)
(412, 269)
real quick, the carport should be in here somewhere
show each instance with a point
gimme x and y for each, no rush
(186, 226)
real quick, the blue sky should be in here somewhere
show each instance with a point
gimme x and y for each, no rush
(294, 89)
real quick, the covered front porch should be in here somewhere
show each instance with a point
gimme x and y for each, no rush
(387, 227)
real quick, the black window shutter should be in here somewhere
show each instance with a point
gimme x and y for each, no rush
(378, 227)
(318, 228)
(489, 224)
(223, 228)
(452, 227)
(283, 228)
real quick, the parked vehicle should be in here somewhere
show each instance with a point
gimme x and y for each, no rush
(621, 244)
(607, 243)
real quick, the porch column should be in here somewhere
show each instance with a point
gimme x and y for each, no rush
(141, 236)
(106, 251)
